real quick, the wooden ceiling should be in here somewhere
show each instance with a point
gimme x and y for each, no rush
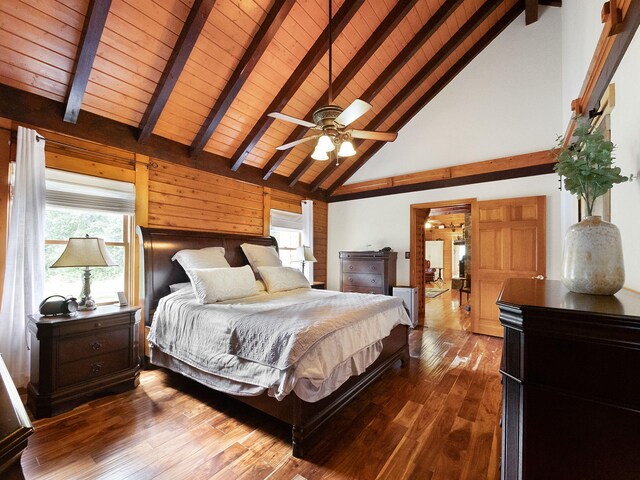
(198, 77)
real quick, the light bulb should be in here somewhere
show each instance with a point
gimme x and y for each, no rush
(319, 154)
(346, 150)
(325, 144)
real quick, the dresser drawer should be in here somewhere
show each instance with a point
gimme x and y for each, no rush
(362, 280)
(362, 266)
(94, 367)
(92, 344)
(374, 290)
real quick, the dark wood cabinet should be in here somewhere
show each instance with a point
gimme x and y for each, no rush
(368, 272)
(15, 427)
(571, 395)
(75, 357)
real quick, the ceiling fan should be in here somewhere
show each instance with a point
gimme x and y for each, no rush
(331, 122)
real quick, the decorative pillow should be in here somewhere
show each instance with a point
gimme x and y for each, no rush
(280, 279)
(261, 256)
(261, 286)
(179, 286)
(210, 257)
(212, 285)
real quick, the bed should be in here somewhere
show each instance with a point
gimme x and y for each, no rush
(305, 417)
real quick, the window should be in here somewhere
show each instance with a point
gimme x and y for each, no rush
(78, 205)
(286, 227)
(60, 225)
(288, 241)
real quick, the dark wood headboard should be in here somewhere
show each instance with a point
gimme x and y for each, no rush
(158, 245)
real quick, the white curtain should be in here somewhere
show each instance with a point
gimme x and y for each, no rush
(307, 233)
(24, 272)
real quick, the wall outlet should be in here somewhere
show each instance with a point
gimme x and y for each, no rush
(406, 255)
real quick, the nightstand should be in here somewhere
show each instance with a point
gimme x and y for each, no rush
(319, 285)
(76, 357)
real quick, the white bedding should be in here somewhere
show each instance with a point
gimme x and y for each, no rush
(202, 341)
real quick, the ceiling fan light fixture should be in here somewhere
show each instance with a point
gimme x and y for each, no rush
(346, 150)
(319, 155)
(325, 144)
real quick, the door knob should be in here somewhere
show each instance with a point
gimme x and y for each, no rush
(538, 277)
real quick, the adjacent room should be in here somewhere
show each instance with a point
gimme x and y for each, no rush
(319, 239)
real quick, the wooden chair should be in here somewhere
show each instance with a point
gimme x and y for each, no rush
(466, 287)
(429, 273)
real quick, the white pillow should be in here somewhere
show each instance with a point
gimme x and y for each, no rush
(280, 279)
(212, 285)
(261, 256)
(178, 286)
(210, 257)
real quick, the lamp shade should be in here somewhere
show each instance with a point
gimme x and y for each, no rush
(346, 150)
(85, 252)
(325, 144)
(319, 155)
(304, 254)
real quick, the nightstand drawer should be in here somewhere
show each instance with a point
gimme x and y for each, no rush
(85, 325)
(94, 367)
(362, 280)
(92, 344)
(362, 266)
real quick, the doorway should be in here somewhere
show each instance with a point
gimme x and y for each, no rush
(441, 265)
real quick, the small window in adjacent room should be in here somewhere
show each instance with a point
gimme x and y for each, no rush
(286, 228)
(78, 205)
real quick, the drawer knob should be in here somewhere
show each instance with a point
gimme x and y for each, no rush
(96, 367)
(350, 279)
(95, 346)
(373, 280)
(97, 324)
(350, 267)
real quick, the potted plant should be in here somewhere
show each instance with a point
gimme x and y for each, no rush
(592, 258)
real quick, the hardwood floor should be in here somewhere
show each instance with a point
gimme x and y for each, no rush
(445, 310)
(435, 419)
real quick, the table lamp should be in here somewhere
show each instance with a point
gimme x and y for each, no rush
(304, 254)
(87, 252)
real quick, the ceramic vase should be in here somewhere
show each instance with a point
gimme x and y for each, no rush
(592, 259)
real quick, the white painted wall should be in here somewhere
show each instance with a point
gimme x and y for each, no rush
(379, 222)
(581, 29)
(507, 101)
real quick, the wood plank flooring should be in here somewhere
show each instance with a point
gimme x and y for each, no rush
(446, 311)
(435, 419)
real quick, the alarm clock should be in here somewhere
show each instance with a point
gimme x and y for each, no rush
(58, 305)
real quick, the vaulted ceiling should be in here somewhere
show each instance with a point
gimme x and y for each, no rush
(204, 74)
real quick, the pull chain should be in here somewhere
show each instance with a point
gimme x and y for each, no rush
(330, 52)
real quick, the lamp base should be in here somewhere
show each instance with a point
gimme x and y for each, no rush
(87, 303)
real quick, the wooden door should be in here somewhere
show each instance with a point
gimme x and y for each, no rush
(508, 240)
(418, 218)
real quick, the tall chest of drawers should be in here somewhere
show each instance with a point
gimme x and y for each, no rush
(73, 358)
(368, 272)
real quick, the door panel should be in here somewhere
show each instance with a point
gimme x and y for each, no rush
(509, 241)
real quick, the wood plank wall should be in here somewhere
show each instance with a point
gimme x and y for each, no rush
(178, 197)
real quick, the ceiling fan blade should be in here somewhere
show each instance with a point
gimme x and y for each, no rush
(353, 112)
(367, 135)
(289, 118)
(297, 142)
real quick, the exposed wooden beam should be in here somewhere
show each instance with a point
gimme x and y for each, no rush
(194, 24)
(449, 182)
(486, 39)
(250, 59)
(512, 162)
(357, 62)
(425, 72)
(39, 112)
(420, 38)
(89, 40)
(531, 11)
(607, 56)
(340, 20)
